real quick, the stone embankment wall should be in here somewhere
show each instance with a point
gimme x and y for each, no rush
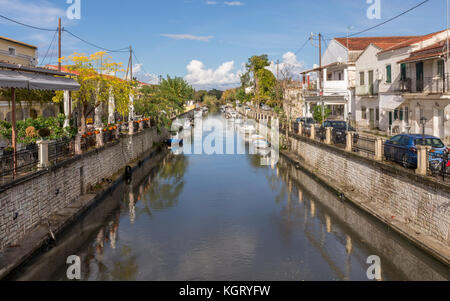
(30, 202)
(415, 205)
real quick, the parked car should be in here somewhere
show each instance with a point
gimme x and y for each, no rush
(306, 124)
(339, 131)
(403, 148)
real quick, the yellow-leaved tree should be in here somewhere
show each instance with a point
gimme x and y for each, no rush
(97, 76)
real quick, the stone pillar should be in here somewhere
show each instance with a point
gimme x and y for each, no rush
(349, 144)
(43, 154)
(379, 149)
(141, 126)
(99, 138)
(300, 128)
(422, 160)
(313, 132)
(328, 135)
(149, 122)
(98, 116)
(131, 127)
(111, 108)
(78, 150)
(67, 108)
(131, 108)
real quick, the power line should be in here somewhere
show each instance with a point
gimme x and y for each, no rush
(94, 45)
(303, 46)
(389, 20)
(139, 62)
(49, 47)
(26, 25)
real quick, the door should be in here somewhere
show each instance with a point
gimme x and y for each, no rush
(371, 91)
(419, 77)
(403, 148)
(372, 118)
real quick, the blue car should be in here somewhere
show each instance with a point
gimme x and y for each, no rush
(403, 148)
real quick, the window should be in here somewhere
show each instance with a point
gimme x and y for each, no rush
(403, 72)
(12, 51)
(361, 79)
(388, 74)
(405, 141)
(440, 65)
(363, 113)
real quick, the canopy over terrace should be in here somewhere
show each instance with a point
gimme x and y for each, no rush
(18, 77)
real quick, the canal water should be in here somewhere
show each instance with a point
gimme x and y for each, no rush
(227, 217)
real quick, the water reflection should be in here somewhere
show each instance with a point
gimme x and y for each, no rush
(198, 217)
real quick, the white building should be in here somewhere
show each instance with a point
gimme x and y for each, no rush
(338, 74)
(400, 83)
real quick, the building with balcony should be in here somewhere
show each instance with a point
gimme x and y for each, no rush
(20, 55)
(401, 81)
(339, 75)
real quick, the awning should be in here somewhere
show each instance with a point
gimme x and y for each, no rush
(36, 81)
(391, 102)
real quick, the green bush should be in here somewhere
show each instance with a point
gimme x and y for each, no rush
(49, 128)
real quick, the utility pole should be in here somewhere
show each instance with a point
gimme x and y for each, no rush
(131, 63)
(59, 44)
(446, 54)
(320, 79)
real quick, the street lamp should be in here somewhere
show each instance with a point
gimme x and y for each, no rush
(423, 122)
(349, 117)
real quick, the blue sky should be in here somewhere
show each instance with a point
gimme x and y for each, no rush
(207, 41)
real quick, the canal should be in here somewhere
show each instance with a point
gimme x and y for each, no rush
(227, 217)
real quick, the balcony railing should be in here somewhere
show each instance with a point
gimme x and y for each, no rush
(431, 85)
(365, 90)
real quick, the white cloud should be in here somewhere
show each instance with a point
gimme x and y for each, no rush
(145, 77)
(289, 63)
(211, 2)
(36, 13)
(223, 77)
(187, 37)
(233, 3)
(137, 68)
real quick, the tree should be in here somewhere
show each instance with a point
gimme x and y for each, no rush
(159, 102)
(216, 93)
(229, 95)
(199, 95)
(95, 86)
(317, 114)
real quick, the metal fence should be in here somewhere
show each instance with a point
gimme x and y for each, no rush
(26, 160)
(60, 150)
(88, 142)
(438, 164)
(365, 144)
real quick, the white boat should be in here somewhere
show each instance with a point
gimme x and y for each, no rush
(261, 144)
(258, 137)
(238, 121)
(248, 129)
